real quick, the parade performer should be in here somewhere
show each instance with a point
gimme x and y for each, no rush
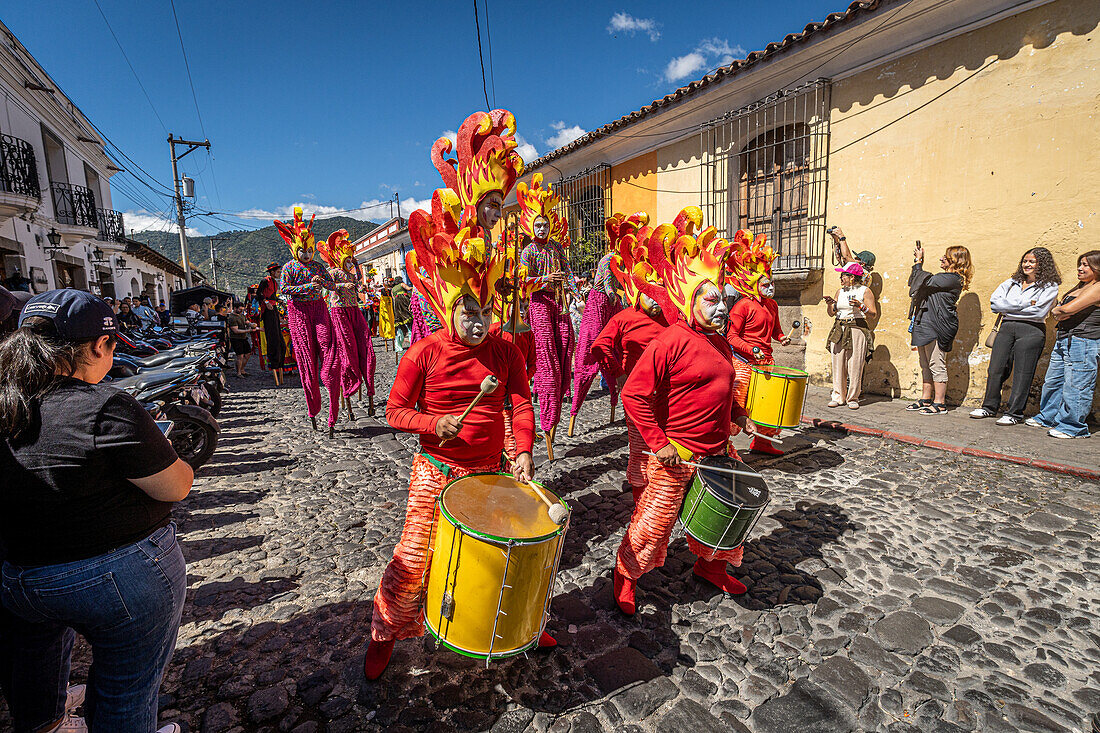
(274, 352)
(620, 344)
(304, 282)
(439, 376)
(348, 322)
(754, 319)
(513, 328)
(545, 260)
(680, 395)
(386, 328)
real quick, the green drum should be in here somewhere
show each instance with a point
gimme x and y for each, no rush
(720, 509)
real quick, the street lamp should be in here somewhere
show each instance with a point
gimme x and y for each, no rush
(55, 238)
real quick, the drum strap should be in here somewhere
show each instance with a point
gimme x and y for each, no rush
(442, 467)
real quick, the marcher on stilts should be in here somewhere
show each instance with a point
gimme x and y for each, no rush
(601, 304)
(304, 282)
(439, 376)
(680, 395)
(620, 344)
(357, 359)
(545, 261)
(754, 319)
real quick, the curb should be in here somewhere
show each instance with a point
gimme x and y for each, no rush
(1077, 471)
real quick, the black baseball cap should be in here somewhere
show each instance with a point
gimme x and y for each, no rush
(76, 314)
(867, 257)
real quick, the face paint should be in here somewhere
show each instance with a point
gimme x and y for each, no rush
(651, 307)
(350, 265)
(471, 321)
(489, 210)
(709, 308)
(541, 229)
(305, 254)
(767, 288)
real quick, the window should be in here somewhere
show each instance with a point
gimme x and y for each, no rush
(772, 190)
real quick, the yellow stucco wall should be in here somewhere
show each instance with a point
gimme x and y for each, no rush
(988, 140)
(633, 183)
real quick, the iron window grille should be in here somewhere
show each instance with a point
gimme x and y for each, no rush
(765, 169)
(74, 205)
(111, 228)
(18, 170)
(585, 203)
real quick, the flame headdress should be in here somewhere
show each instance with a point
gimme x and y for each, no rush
(485, 160)
(684, 260)
(629, 263)
(298, 235)
(537, 201)
(337, 249)
(751, 262)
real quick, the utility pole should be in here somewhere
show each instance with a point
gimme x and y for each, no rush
(213, 261)
(172, 143)
(397, 197)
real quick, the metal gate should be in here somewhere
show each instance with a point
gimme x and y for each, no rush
(765, 169)
(585, 203)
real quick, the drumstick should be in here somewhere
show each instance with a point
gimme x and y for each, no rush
(489, 384)
(730, 471)
(758, 434)
(558, 513)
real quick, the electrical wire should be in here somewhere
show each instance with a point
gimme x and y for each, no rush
(489, 40)
(481, 58)
(128, 63)
(187, 67)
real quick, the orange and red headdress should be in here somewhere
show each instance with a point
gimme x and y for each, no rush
(751, 262)
(485, 160)
(298, 235)
(685, 261)
(629, 264)
(537, 201)
(337, 249)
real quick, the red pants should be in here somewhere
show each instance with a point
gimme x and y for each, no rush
(315, 345)
(635, 464)
(645, 545)
(399, 603)
(553, 353)
(743, 372)
(356, 349)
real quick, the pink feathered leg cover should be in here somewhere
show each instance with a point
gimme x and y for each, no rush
(314, 344)
(356, 349)
(645, 545)
(598, 309)
(553, 347)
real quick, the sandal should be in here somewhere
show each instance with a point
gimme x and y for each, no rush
(834, 403)
(919, 405)
(935, 408)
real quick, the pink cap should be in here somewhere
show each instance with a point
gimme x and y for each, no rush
(852, 268)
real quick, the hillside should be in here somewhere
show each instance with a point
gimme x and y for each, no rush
(243, 255)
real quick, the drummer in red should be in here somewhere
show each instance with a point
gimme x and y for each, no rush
(680, 395)
(754, 319)
(513, 329)
(620, 344)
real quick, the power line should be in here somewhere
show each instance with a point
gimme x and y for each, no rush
(187, 67)
(489, 40)
(132, 69)
(480, 57)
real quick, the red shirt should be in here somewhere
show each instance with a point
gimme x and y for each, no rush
(439, 375)
(682, 389)
(524, 341)
(754, 323)
(623, 339)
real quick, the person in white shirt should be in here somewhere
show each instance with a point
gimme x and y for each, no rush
(147, 315)
(1022, 304)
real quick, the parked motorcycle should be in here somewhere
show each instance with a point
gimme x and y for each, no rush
(181, 399)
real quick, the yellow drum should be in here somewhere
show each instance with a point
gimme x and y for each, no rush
(776, 395)
(492, 572)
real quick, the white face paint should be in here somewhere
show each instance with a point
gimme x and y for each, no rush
(541, 229)
(651, 307)
(305, 254)
(471, 321)
(489, 210)
(709, 308)
(767, 288)
(349, 265)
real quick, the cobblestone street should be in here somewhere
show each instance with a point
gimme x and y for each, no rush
(890, 588)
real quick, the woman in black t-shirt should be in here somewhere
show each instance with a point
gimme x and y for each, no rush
(89, 483)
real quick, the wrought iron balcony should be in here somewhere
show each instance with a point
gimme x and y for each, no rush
(111, 228)
(18, 170)
(74, 205)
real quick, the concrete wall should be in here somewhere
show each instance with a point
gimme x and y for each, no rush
(987, 140)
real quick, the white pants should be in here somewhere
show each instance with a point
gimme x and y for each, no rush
(848, 368)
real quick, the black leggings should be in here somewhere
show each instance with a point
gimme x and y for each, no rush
(273, 335)
(1016, 351)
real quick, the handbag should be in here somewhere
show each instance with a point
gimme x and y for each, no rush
(993, 334)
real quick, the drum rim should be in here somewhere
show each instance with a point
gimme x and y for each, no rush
(720, 500)
(490, 537)
(788, 373)
(478, 655)
(707, 544)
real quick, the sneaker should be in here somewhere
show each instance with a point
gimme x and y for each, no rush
(1008, 420)
(1032, 422)
(1059, 434)
(170, 728)
(70, 724)
(74, 697)
(853, 405)
(981, 412)
(833, 403)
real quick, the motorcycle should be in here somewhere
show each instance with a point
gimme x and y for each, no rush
(175, 397)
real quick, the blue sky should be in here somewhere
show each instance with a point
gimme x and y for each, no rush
(336, 108)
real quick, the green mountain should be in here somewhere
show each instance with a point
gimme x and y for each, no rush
(241, 256)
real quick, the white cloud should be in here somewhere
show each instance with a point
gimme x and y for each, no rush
(452, 136)
(564, 134)
(627, 23)
(709, 54)
(371, 210)
(526, 150)
(143, 221)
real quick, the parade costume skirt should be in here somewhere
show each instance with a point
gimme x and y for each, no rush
(553, 349)
(635, 464)
(273, 335)
(645, 545)
(399, 602)
(315, 344)
(598, 310)
(356, 350)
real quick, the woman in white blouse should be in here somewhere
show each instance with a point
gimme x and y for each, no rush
(1022, 303)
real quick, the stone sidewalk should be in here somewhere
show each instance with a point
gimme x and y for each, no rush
(957, 428)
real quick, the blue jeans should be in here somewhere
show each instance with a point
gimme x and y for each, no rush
(1068, 386)
(126, 603)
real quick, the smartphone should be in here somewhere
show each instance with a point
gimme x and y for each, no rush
(164, 425)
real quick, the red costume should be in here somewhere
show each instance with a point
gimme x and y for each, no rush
(525, 342)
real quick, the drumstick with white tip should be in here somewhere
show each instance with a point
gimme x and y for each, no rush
(758, 434)
(558, 513)
(719, 469)
(488, 385)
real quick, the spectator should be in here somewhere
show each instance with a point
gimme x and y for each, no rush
(148, 316)
(193, 315)
(18, 282)
(207, 309)
(1022, 304)
(851, 340)
(91, 548)
(934, 321)
(162, 313)
(240, 330)
(866, 258)
(402, 315)
(127, 319)
(1071, 376)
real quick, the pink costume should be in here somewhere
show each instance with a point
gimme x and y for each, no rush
(310, 325)
(601, 305)
(352, 333)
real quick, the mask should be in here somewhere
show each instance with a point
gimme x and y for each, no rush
(471, 321)
(651, 307)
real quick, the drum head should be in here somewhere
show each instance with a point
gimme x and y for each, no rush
(497, 507)
(775, 370)
(749, 491)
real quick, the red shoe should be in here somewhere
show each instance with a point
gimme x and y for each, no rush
(378, 656)
(714, 572)
(764, 446)
(624, 592)
(546, 641)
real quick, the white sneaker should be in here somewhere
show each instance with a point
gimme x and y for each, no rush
(1059, 434)
(1008, 420)
(1032, 422)
(71, 724)
(980, 413)
(74, 697)
(170, 728)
